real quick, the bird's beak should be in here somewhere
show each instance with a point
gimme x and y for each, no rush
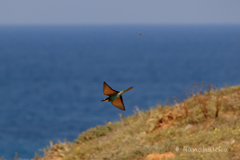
(106, 100)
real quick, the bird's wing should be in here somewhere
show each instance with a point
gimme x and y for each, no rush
(119, 103)
(107, 90)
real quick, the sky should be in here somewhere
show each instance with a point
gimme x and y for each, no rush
(119, 12)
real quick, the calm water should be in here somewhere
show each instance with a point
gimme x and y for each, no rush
(51, 77)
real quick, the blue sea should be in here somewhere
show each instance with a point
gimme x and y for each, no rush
(51, 77)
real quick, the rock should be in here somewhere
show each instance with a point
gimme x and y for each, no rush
(188, 127)
(156, 156)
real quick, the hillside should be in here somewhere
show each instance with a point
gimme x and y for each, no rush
(206, 125)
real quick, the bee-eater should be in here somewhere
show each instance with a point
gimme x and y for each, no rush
(115, 97)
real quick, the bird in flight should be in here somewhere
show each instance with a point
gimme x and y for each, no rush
(114, 97)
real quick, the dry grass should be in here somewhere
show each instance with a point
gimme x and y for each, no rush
(208, 120)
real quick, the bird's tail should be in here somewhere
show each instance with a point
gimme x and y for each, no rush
(123, 91)
(128, 89)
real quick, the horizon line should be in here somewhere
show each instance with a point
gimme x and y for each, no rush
(110, 24)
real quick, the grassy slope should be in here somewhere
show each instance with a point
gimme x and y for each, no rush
(210, 120)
